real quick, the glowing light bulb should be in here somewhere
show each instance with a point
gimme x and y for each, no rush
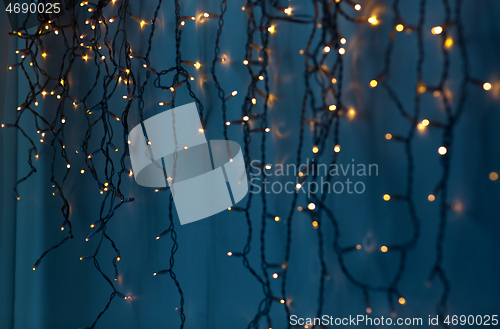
(197, 65)
(332, 108)
(431, 197)
(442, 150)
(373, 83)
(336, 149)
(357, 7)
(229, 254)
(245, 62)
(448, 43)
(271, 29)
(388, 136)
(358, 247)
(351, 114)
(326, 49)
(373, 20)
(315, 149)
(493, 176)
(384, 249)
(267, 130)
(402, 301)
(343, 41)
(261, 77)
(277, 218)
(437, 30)
(341, 51)
(315, 224)
(368, 310)
(298, 186)
(400, 27)
(421, 88)
(386, 197)
(246, 118)
(275, 275)
(287, 11)
(487, 86)
(282, 301)
(311, 206)
(334, 81)
(254, 101)
(425, 122)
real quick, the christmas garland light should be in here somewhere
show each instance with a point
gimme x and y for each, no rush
(103, 41)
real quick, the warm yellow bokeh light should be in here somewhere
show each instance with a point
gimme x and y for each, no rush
(386, 197)
(388, 136)
(442, 150)
(402, 301)
(336, 149)
(487, 86)
(493, 176)
(384, 249)
(437, 30)
(315, 149)
(431, 197)
(373, 20)
(311, 206)
(400, 27)
(373, 83)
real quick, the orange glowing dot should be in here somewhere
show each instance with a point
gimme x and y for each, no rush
(299, 208)
(275, 275)
(282, 301)
(326, 49)
(401, 300)
(277, 218)
(384, 249)
(431, 197)
(487, 86)
(315, 224)
(388, 136)
(425, 122)
(400, 27)
(334, 81)
(493, 176)
(332, 107)
(357, 7)
(373, 83)
(315, 149)
(368, 310)
(311, 206)
(358, 247)
(386, 197)
(341, 51)
(442, 150)
(336, 149)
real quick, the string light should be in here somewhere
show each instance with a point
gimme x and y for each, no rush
(332, 33)
(487, 86)
(493, 176)
(442, 150)
(437, 30)
(373, 20)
